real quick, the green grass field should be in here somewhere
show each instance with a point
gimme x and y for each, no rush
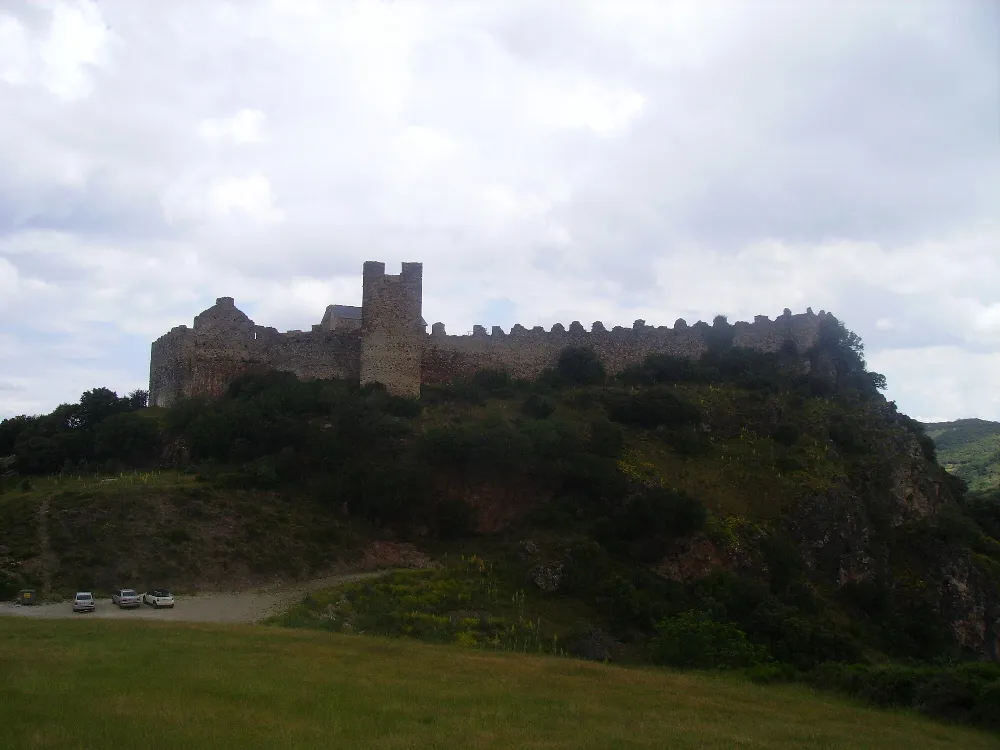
(99, 684)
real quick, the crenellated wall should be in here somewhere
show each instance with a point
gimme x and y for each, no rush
(526, 353)
(391, 346)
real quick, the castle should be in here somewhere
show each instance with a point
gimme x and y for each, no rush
(386, 341)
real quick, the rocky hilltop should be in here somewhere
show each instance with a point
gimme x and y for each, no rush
(774, 494)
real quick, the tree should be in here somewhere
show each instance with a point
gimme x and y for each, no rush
(99, 404)
(138, 399)
(580, 365)
(130, 438)
(10, 429)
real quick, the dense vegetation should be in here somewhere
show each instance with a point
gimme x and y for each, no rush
(745, 510)
(971, 449)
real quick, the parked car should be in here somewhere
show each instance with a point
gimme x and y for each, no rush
(125, 598)
(158, 598)
(84, 602)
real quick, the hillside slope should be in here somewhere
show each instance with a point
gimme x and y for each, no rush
(970, 448)
(741, 509)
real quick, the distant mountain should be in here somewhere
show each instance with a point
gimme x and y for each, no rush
(969, 448)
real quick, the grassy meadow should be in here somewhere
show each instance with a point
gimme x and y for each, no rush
(88, 683)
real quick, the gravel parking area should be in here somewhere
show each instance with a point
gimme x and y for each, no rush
(243, 607)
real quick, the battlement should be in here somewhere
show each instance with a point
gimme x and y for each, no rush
(802, 325)
(386, 341)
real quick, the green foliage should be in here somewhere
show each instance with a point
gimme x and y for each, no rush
(653, 407)
(464, 603)
(786, 433)
(694, 639)
(580, 366)
(971, 449)
(966, 693)
(606, 438)
(67, 437)
(131, 438)
(537, 407)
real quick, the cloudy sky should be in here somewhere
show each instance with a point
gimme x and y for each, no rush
(547, 161)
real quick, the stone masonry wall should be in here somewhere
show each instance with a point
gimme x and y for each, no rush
(225, 344)
(526, 353)
(392, 336)
(390, 346)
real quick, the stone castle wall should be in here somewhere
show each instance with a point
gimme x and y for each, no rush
(225, 343)
(391, 345)
(392, 335)
(526, 353)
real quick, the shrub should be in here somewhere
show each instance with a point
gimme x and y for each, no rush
(786, 434)
(686, 441)
(492, 381)
(580, 365)
(653, 407)
(645, 525)
(693, 639)
(606, 438)
(537, 407)
(662, 369)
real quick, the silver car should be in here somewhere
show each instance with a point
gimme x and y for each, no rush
(84, 602)
(126, 598)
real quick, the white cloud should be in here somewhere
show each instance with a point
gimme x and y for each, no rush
(244, 127)
(591, 161)
(947, 382)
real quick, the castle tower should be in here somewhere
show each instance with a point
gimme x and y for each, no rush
(392, 329)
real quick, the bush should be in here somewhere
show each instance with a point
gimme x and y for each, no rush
(968, 693)
(580, 365)
(786, 434)
(652, 407)
(686, 441)
(644, 527)
(663, 369)
(693, 639)
(537, 407)
(606, 438)
(129, 437)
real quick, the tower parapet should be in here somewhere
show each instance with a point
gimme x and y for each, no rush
(392, 328)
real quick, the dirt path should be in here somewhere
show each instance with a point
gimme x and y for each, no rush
(242, 606)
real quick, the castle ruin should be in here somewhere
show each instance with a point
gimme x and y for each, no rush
(386, 341)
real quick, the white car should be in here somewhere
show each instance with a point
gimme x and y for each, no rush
(84, 602)
(125, 598)
(158, 598)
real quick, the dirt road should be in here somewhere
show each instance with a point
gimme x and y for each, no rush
(243, 606)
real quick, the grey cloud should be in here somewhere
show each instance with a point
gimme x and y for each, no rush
(476, 138)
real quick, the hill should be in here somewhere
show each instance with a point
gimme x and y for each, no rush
(971, 449)
(745, 510)
(200, 686)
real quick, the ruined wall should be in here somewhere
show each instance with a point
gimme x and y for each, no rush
(526, 353)
(392, 334)
(225, 343)
(390, 346)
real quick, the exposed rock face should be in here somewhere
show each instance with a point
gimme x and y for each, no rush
(692, 559)
(852, 534)
(971, 603)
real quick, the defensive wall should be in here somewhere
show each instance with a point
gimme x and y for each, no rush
(392, 347)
